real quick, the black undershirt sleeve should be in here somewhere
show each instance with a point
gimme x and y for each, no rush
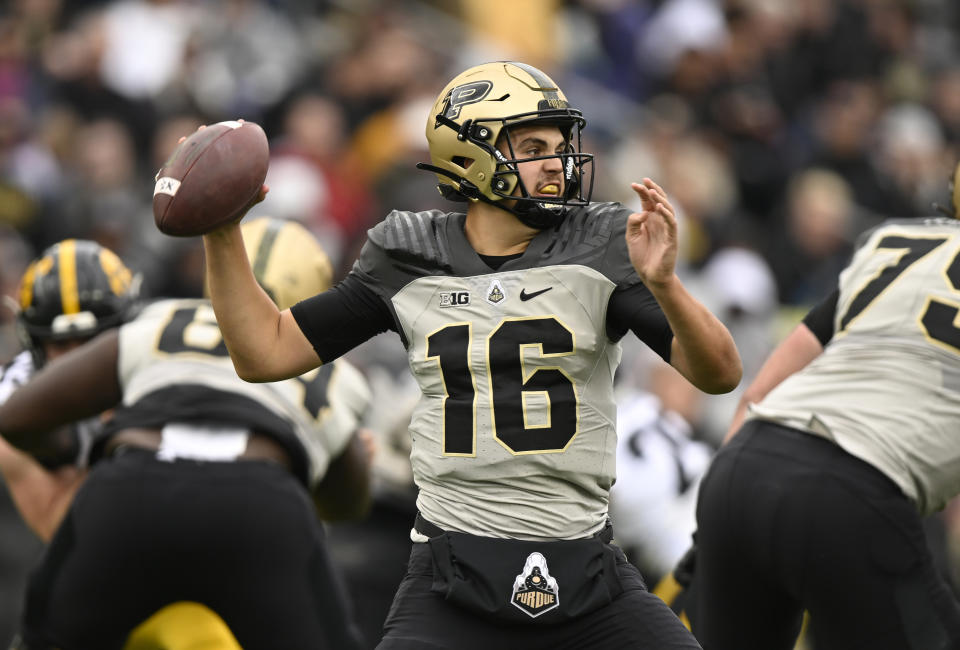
(634, 308)
(820, 318)
(341, 318)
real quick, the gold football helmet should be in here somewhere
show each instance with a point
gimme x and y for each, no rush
(465, 126)
(287, 260)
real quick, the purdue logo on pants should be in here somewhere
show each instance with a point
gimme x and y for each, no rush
(535, 592)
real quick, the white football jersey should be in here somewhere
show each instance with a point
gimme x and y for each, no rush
(887, 386)
(174, 368)
(515, 432)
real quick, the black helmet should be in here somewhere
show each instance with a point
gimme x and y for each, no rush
(75, 289)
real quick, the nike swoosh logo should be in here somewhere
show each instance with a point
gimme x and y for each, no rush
(527, 296)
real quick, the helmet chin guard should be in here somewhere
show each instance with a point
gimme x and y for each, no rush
(475, 113)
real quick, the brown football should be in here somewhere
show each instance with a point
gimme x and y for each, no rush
(210, 178)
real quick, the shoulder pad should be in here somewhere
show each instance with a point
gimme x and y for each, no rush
(928, 222)
(595, 224)
(161, 307)
(413, 236)
(594, 236)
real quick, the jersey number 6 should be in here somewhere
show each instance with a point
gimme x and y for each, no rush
(193, 330)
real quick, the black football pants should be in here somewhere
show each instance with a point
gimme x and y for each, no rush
(421, 619)
(239, 537)
(789, 521)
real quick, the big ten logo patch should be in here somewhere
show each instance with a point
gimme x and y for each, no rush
(454, 298)
(535, 591)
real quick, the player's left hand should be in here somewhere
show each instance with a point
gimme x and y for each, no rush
(652, 235)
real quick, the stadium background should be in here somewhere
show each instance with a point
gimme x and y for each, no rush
(780, 129)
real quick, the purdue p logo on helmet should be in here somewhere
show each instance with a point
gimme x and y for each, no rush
(473, 114)
(466, 94)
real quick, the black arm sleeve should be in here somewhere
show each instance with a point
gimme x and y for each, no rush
(636, 309)
(820, 318)
(342, 318)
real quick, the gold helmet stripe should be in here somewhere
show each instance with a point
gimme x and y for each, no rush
(287, 260)
(262, 257)
(544, 83)
(26, 285)
(118, 275)
(67, 268)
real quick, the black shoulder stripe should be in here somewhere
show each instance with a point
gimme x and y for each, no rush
(599, 225)
(588, 227)
(424, 233)
(415, 234)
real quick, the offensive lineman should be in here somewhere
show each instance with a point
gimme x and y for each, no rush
(204, 490)
(846, 437)
(73, 291)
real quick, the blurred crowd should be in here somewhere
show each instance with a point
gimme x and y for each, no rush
(780, 129)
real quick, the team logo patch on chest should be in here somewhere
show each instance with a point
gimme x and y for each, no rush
(495, 293)
(535, 592)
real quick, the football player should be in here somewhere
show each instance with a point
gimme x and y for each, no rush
(844, 440)
(204, 490)
(510, 311)
(659, 466)
(73, 291)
